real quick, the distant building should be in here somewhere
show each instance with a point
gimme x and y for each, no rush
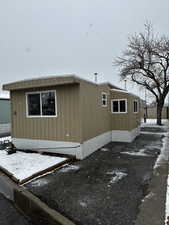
(5, 115)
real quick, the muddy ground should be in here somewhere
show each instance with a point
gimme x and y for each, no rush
(107, 187)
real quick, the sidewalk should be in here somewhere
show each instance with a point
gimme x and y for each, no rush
(153, 207)
(9, 214)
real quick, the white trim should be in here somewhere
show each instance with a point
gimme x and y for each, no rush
(38, 145)
(40, 92)
(93, 144)
(106, 99)
(118, 100)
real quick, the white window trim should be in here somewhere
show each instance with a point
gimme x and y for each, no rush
(137, 106)
(40, 116)
(106, 99)
(115, 100)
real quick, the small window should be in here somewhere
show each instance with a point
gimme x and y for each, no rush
(119, 106)
(41, 104)
(104, 99)
(135, 105)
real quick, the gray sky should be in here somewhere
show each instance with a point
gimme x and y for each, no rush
(40, 37)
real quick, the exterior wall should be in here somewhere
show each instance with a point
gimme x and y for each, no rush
(65, 127)
(5, 116)
(96, 119)
(125, 121)
(4, 111)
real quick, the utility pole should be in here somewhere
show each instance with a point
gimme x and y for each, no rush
(146, 102)
(95, 77)
(125, 84)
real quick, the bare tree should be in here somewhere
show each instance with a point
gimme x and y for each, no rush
(146, 62)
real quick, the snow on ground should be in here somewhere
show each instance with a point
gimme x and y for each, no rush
(8, 138)
(23, 165)
(141, 152)
(68, 168)
(104, 149)
(152, 122)
(39, 182)
(116, 176)
(164, 152)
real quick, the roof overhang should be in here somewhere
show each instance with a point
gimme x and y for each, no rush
(41, 82)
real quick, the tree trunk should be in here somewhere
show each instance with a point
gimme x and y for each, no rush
(159, 112)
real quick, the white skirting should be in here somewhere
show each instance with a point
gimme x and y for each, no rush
(125, 135)
(61, 147)
(5, 128)
(82, 150)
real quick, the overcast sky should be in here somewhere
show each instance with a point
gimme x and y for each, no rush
(50, 37)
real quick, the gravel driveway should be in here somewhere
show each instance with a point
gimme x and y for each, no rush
(107, 187)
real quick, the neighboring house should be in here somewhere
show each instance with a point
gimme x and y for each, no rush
(70, 115)
(152, 112)
(4, 115)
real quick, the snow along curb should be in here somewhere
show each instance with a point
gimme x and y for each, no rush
(30, 205)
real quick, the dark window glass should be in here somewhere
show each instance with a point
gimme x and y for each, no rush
(122, 106)
(104, 102)
(104, 99)
(135, 106)
(48, 103)
(33, 104)
(115, 106)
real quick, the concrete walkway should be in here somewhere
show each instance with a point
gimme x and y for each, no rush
(153, 207)
(9, 214)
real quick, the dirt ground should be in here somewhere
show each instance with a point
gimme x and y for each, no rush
(107, 187)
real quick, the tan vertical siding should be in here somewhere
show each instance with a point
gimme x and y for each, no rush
(64, 127)
(129, 120)
(96, 119)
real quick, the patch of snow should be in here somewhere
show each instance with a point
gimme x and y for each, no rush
(83, 204)
(116, 176)
(68, 168)
(8, 138)
(163, 157)
(154, 133)
(149, 196)
(141, 152)
(39, 182)
(153, 122)
(23, 165)
(104, 149)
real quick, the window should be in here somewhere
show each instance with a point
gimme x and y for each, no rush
(119, 106)
(135, 105)
(104, 99)
(41, 104)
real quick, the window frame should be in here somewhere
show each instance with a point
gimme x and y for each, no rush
(106, 99)
(137, 106)
(118, 100)
(41, 116)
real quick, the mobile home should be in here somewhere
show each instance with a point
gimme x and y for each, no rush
(69, 115)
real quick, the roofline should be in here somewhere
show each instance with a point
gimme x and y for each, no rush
(126, 92)
(75, 79)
